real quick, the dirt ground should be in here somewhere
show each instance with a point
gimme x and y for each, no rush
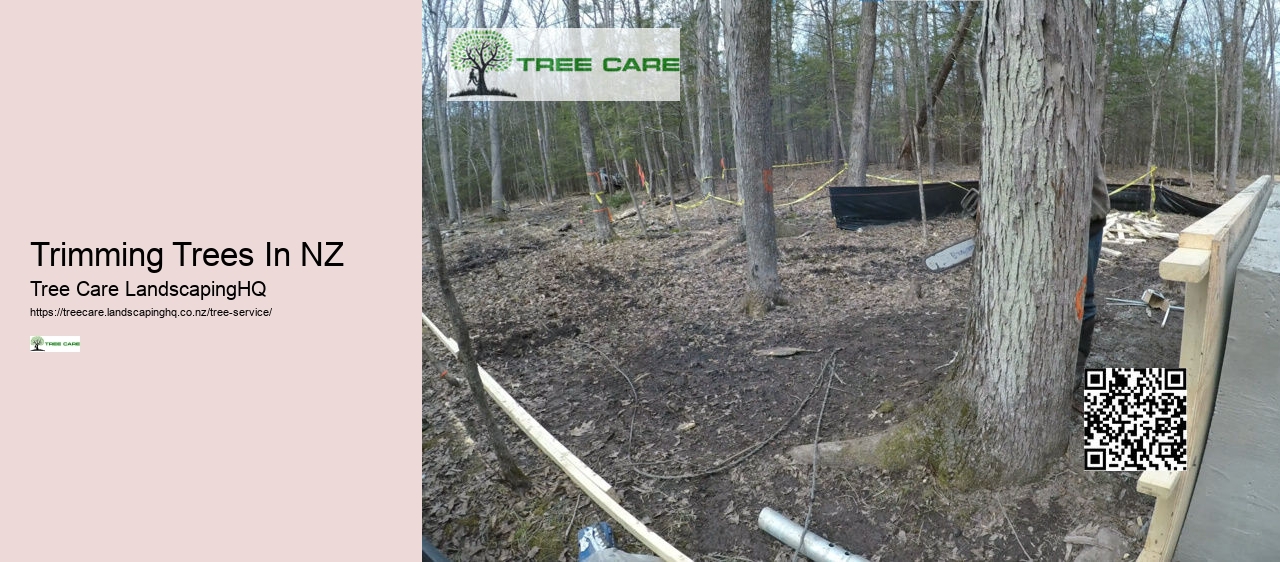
(559, 320)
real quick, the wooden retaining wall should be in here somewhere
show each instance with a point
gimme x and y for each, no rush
(1205, 260)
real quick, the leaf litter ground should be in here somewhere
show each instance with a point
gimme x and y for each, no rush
(555, 317)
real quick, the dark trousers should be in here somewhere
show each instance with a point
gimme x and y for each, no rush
(1090, 308)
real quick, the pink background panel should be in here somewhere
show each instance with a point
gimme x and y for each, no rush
(228, 124)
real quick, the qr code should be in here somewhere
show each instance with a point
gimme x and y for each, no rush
(1135, 419)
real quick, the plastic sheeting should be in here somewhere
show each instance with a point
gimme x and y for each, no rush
(856, 207)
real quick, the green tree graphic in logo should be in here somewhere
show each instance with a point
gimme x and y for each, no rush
(37, 341)
(480, 51)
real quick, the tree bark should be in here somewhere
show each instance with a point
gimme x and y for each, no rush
(600, 210)
(746, 30)
(1003, 416)
(860, 126)
(509, 470)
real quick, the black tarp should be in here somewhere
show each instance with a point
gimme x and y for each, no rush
(856, 207)
(1138, 198)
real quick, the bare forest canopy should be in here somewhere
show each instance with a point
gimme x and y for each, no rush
(1222, 52)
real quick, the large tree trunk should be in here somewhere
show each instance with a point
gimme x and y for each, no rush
(508, 469)
(746, 30)
(1020, 349)
(860, 126)
(905, 158)
(706, 165)
(1003, 416)
(604, 230)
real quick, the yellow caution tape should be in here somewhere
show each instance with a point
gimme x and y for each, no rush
(1150, 172)
(820, 188)
(914, 182)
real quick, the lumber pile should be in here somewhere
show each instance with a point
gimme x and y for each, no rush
(1132, 228)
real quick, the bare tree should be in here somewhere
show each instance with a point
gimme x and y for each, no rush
(1157, 89)
(509, 470)
(746, 32)
(1230, 115)
(498, 200)
(706, 167)
(829, 14)
(436, 13)
(860, 138)
(600, 210)
(905, 155)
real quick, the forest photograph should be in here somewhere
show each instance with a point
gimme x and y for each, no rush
(847, 289)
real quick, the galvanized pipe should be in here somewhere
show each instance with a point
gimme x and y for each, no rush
(814, 548)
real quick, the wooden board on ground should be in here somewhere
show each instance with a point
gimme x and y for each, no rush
(586, 479)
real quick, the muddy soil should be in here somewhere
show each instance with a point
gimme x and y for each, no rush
(635, 355)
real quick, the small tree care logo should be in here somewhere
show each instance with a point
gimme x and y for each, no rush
(480, 51)
(54, 344)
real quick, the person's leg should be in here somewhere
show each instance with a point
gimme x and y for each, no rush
(1090, 307)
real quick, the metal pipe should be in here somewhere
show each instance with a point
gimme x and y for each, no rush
(814, 548)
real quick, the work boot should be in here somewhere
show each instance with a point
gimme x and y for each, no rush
(593, 539)
(1082, 355)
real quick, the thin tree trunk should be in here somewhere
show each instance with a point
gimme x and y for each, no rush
(509, 470)
(860, 126)
(786, 29)
(1157, 91)
(939, 80)
(929, 117)
(706, 166)
(837, 132)
(543, 149)
(900, 73)
(1237, 92)
(746, 31)
(497, 199)
(599, 210)
(662, 144)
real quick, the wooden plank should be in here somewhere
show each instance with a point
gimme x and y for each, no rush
(1158, 483)
(586, 479)
(530, 426)
(1200, 234)
(1203, 336)
(1188, 265)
